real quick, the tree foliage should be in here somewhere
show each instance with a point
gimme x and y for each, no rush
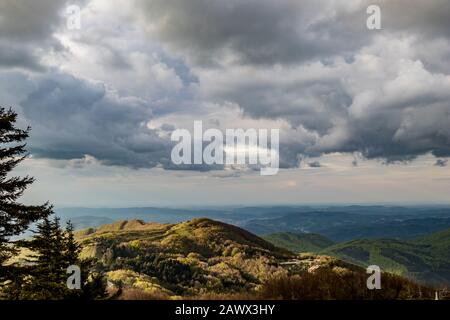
(15, 217)
(44, 273)
(54, 250)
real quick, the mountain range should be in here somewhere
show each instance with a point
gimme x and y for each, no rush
(410, 241)
(338, 223)
(202, 258)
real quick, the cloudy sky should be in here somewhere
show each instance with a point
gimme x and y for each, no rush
(364, 115)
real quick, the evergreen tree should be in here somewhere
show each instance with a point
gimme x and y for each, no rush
(44, 276)
(15, 217)
(93, 282)
(72, 248)
(54, 250)
(47, 272)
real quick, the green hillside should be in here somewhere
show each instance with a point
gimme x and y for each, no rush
(415, 260)
(299, 242)
(438, 243)
(202, 258)
(194, 257)
(426, 259)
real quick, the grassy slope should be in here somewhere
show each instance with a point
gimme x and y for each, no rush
(423, 260)
(299, 242)
(426, 259)
(203, 236)
(438, 242)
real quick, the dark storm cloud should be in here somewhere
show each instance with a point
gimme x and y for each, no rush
(71, 118)
(427, 18)
(29, 20)
(252, 31)
(314, 103)
(388, 118)
(26, 28)
(311, 64)
(19, 57)
(285, 31)
(395, 118)
(428, 22)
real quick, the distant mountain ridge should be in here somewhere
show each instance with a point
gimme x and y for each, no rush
(343, 226)
(338, 223)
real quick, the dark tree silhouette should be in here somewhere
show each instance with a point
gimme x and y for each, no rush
(44, 275)
(54, 250)
(15, 217)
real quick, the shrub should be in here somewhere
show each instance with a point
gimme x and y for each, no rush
(326, 284)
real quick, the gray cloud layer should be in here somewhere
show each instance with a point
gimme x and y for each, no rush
(249, 32)
(27, 29)
(312, 64)
(72, 118)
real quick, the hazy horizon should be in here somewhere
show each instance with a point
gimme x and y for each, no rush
(268, 205)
